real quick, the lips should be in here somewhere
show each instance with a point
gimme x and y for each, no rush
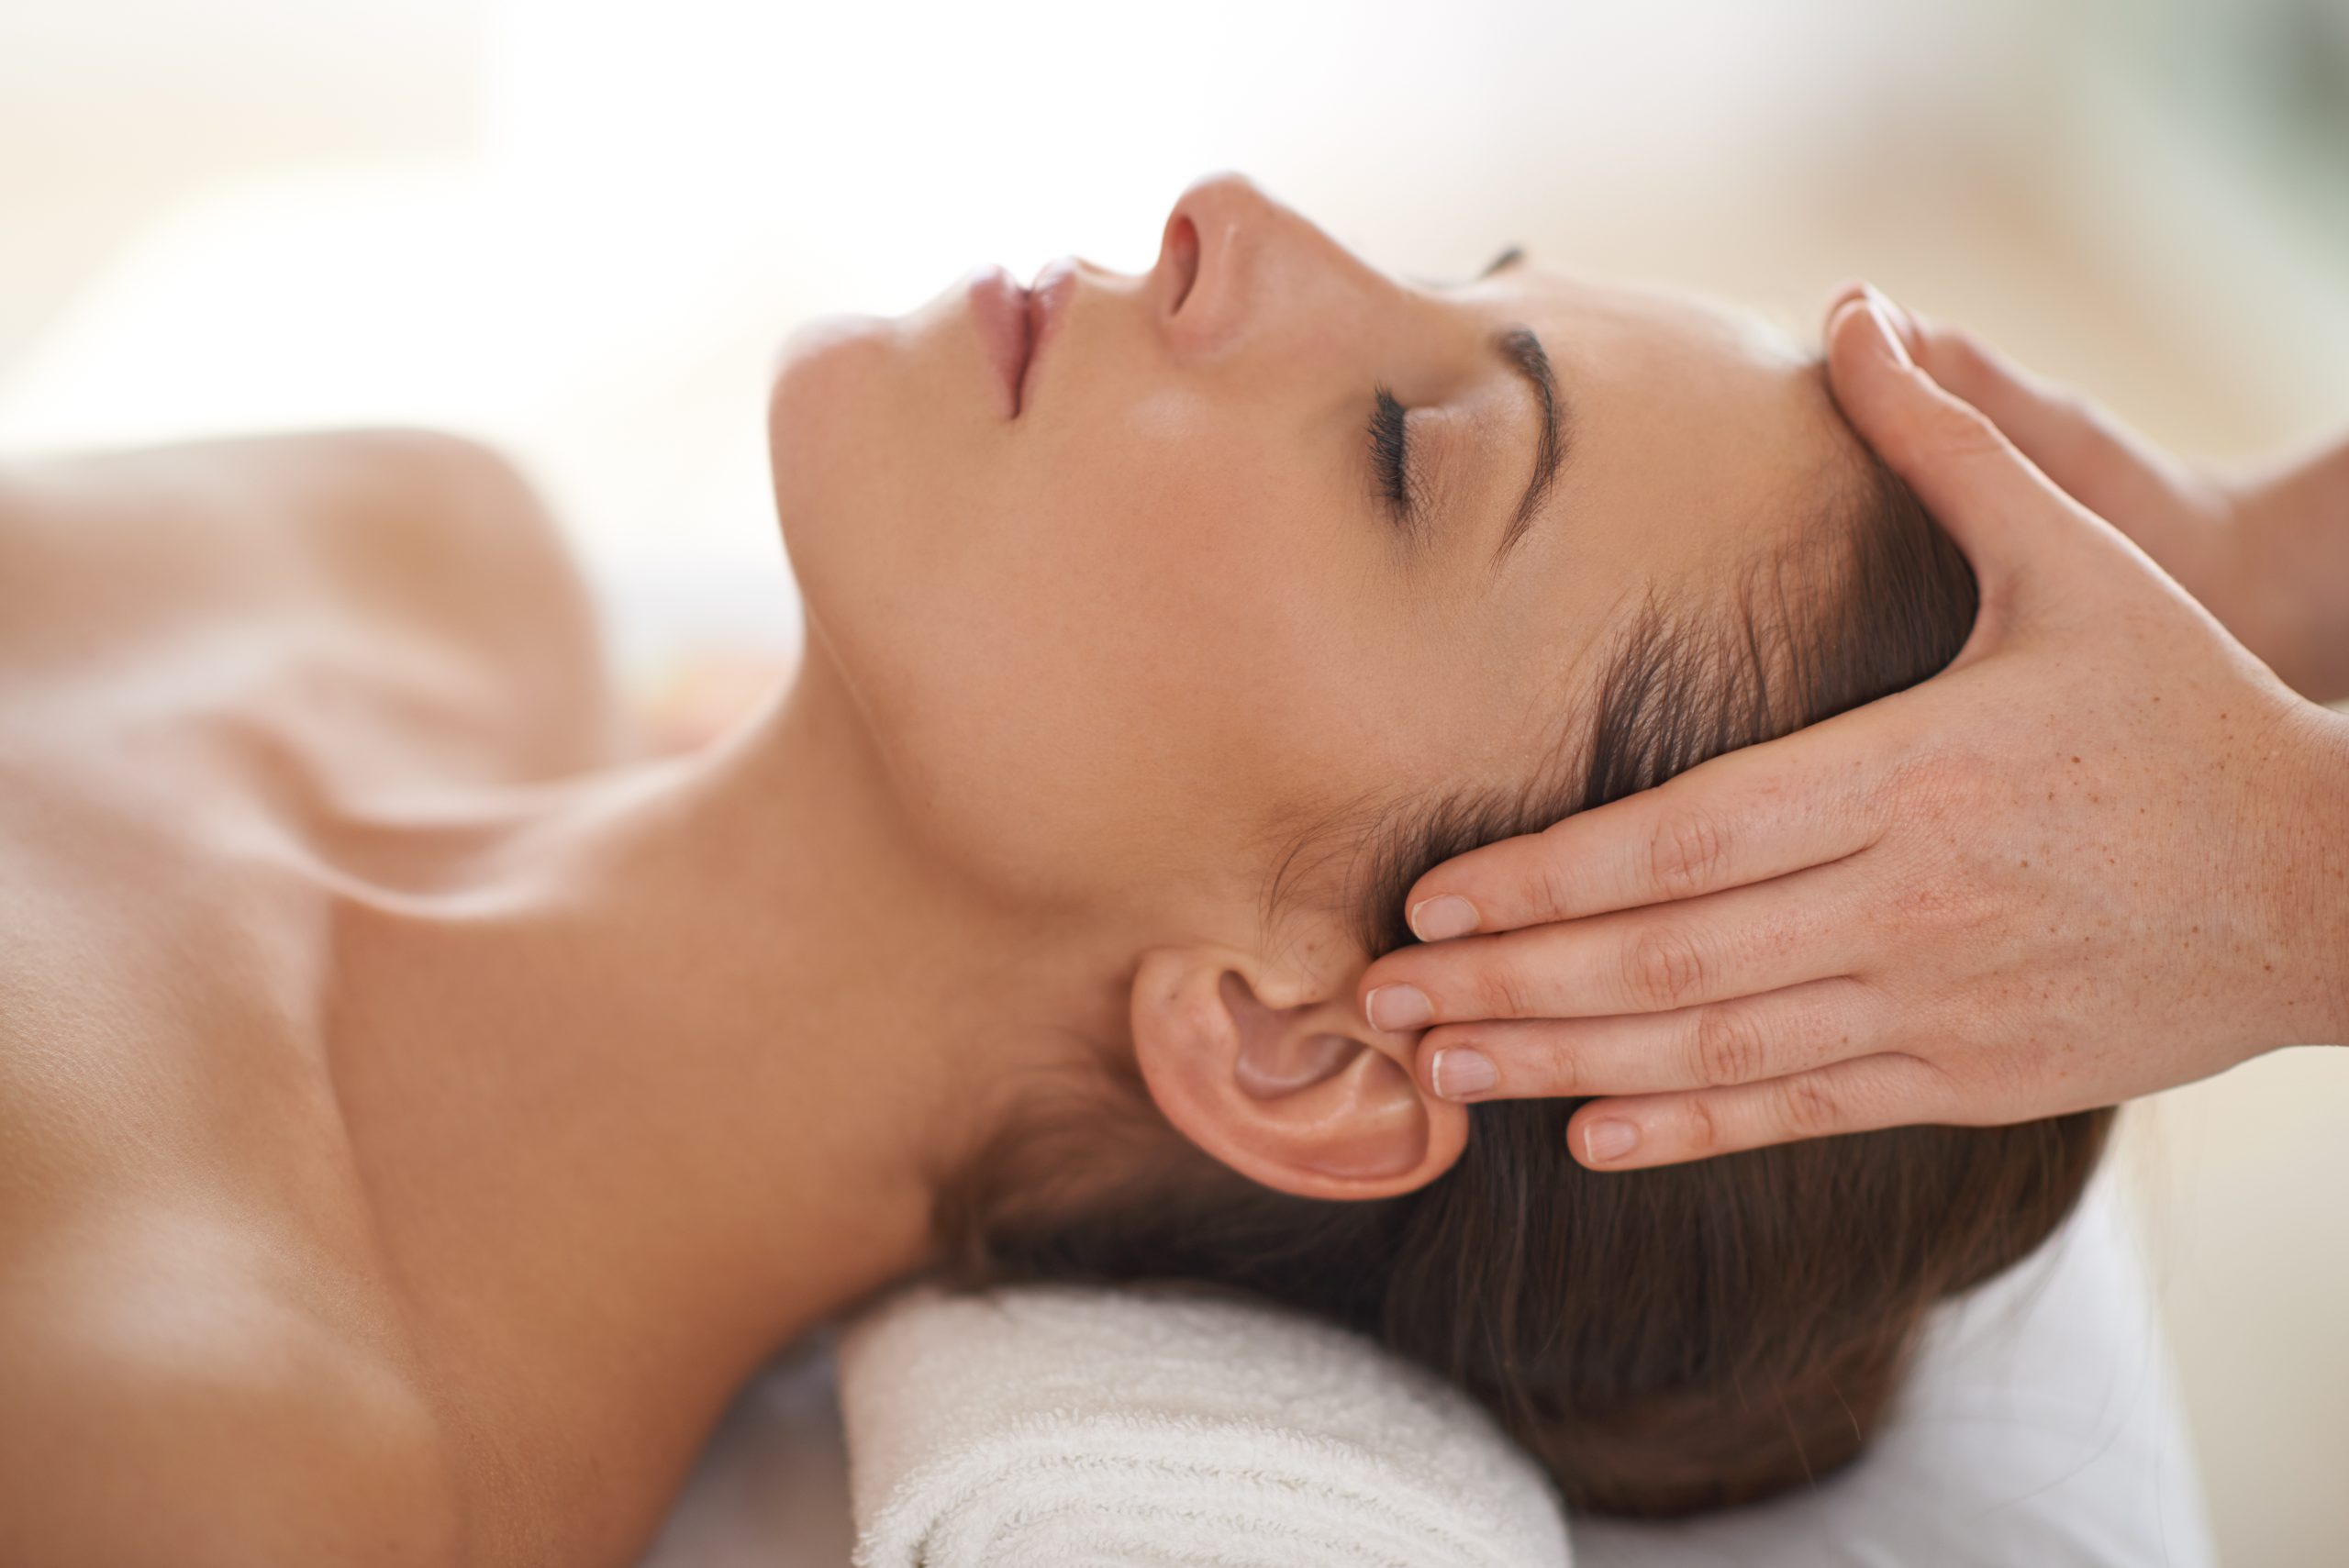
(1000, 307)
(1015, 324)
(1048, 297)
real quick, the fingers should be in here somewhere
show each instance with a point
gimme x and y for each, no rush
(1855, 1096)
(1721, 1043)
(1739, 942)
(1990, 498)
(2100, 462)
(1753, 814)
(2072, 441)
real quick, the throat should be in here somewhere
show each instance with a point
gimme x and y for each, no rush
(652, 1072)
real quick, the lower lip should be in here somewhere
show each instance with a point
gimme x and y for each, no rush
(1000, 307)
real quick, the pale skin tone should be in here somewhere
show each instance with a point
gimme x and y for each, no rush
(2108, 852)
(419, 1113)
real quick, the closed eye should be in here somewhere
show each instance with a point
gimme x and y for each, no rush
(1390, 457)
(1389, 439)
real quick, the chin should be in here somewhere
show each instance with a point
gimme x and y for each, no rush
(820, 405)
(872, 436)
(877, 427)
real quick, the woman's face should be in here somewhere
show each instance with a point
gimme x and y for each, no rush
(1119, 649)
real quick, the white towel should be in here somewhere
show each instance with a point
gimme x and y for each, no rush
(1076, 1427)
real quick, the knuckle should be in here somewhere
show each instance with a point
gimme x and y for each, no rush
(1502, 992)
(1727, 1046)
(1661, 968)
(1687, 852)
(1925, 1084)
(1952, 433)
(1701, 1128)
(1549, 886)
(1808, 1107)
(1939, 428)
(1961, 435)
(1562, 1075)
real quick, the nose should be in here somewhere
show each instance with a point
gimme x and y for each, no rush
(1227, 245)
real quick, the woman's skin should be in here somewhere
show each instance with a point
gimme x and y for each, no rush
(2106, 853)
(418, 1116)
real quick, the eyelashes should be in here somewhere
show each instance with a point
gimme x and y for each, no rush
(1390, 455)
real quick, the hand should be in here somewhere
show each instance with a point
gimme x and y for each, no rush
(2268, 552)
(2104, 853)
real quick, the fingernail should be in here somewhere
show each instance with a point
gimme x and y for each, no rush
(1887, 323)
(1446, 915)
(1609, 1139)
(1458, 1071)
(1398, 1006)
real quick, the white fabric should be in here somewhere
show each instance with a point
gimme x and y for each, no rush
(2042, 1428)
(1065, 1427)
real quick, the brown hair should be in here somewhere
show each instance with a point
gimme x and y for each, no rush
(1663, 1341)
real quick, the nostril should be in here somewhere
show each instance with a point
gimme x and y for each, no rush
(1183, 257)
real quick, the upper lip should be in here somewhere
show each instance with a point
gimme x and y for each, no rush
(1047, 298)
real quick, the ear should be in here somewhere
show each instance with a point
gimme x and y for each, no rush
(1284, 1080)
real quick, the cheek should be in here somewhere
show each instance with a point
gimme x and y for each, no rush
(1148, 636)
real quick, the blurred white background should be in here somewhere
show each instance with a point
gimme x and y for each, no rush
(581, 232)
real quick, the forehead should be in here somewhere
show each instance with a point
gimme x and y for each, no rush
(1692, 424)
(1620, 330)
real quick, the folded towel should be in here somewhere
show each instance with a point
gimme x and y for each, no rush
(1060, 1426)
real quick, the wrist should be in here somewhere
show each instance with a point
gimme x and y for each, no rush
(2311, 880)
(2292, 528)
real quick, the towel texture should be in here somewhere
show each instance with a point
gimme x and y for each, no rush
(1054, 1426)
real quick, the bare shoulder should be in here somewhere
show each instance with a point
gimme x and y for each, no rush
(206, 1420)
(327, 472)
(365, 544)
(351, 501)
(424, 496)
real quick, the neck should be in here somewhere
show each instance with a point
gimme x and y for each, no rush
(651, 1070)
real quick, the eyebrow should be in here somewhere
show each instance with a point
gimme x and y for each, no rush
(1520, 349)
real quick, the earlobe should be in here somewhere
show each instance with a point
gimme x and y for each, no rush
(1304, 1096)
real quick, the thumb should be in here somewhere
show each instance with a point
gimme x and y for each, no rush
(2014, 524)
(2096, 458)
